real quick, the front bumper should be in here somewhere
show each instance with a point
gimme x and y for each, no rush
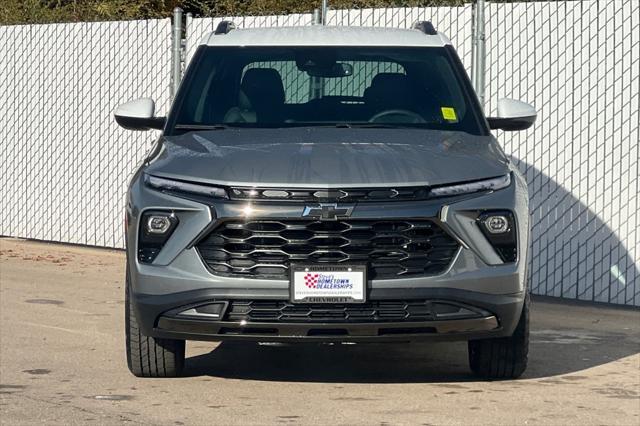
(498, 316)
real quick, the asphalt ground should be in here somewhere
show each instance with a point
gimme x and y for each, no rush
(62, 361)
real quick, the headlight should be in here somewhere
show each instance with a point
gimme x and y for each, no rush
(466, 188)
(179, 186)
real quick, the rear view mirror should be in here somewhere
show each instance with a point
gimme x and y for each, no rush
(513, 115)
(337, 69)
(138, 115)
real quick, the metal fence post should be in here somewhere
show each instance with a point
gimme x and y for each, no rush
(315, 83)
(176, 51)
(325, 8)
(317, 17)
(188, 20)
(478, 58)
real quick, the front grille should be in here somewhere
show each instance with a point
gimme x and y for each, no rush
(411, 193)
(371, 311)
(266, 248)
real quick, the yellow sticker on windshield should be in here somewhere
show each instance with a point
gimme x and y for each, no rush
(449, 114)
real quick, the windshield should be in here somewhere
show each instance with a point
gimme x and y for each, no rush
(326, 86)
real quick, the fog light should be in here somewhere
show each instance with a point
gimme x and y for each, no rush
(158, 224)
(497, 224)
(155, 229)
(499, 228)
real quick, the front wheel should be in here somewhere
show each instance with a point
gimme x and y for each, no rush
(146, 355)
(503, 357)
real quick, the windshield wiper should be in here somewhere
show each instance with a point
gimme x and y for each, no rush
(288, 125)
(373, 125)
(201, 126)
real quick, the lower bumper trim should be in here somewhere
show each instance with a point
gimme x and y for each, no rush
(190, 329)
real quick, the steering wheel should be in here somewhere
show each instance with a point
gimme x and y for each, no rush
(415, 117)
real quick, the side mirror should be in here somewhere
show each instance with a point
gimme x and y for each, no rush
(139, 115)
(513, 115)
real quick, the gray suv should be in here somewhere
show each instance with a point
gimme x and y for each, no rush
(326, 184)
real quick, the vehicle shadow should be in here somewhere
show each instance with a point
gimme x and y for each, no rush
(565, 338)
(574, 253)
(361, 363)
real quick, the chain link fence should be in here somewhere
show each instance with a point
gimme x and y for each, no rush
(578, 62)
(65, 164)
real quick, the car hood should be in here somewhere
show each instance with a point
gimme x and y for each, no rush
(328, 157)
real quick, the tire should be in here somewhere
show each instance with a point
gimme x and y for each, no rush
(503, 357)
(148, 356)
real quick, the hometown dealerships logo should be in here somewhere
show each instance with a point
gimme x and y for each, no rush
(326, 281)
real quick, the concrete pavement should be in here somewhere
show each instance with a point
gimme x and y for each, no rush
(62, 362)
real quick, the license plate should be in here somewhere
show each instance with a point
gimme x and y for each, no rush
(328, 284)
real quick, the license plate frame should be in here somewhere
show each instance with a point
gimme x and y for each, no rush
(357, 273)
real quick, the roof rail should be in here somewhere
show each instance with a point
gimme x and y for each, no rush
(224, 27)
(425, 26)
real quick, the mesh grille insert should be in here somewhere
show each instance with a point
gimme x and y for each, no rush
(266, 248)
(370, 311)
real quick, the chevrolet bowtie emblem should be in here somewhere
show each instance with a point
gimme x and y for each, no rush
(328, 211)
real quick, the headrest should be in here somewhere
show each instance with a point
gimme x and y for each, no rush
(389, 86)
(389, 79)
(263, 85)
